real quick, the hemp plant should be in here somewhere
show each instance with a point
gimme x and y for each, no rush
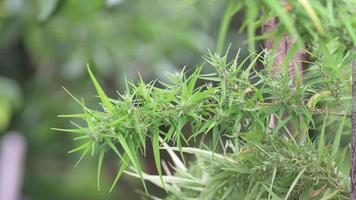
(272, 133)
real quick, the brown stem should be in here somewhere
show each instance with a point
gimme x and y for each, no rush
(284, 46)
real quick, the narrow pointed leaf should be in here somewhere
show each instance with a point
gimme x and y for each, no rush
(104, 99)
(321, 142)
(156, 153)
(336, 142)
(121, 170)
(100, 163)
(294, 183)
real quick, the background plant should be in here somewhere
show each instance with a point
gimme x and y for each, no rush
(42, 54)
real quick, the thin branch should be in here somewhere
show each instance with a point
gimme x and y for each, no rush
(353, 140)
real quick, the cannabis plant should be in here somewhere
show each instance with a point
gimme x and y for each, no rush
(280, 131)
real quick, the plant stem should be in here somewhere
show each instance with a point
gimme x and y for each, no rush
(286, 52)
(353, 140)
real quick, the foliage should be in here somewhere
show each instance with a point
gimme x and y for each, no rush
(272, 168)
(233, 108)
(10, 101)
(45, 45)
(315, 21)
(227, 107)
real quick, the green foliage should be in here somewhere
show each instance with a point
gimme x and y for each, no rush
(275, 168)
(45, 44)
(114, 36)
(229, 105)
(234, 108)
(312, 21)
(10, 101)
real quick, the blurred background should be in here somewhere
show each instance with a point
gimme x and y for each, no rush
(45, 45)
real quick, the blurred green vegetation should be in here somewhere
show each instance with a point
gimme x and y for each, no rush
(45, 44)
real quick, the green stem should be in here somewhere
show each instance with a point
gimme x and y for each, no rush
(230, 10)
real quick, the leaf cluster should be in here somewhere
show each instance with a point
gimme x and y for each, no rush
(312, 21)
(227, 105)
(273, 168)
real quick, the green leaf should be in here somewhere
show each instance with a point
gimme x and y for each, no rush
(82, 156)
(329, 196)
(121, 170)
(193, 80)
(284, 17)
(81, 116)
(104, 99)
(136, 163)
(336, 142)
(80, 147)
(272, 181)
(281, 124)
(69, 130)
(270, 192)
(117, 121)
(313, 16)
(294, 183)
(232, 7)
(131, 154)
(313, 101)
(321, 142)
(216, 137)
(251, 16)
(100, 163)
(156, 153)
(138, 131)
(75, 99)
